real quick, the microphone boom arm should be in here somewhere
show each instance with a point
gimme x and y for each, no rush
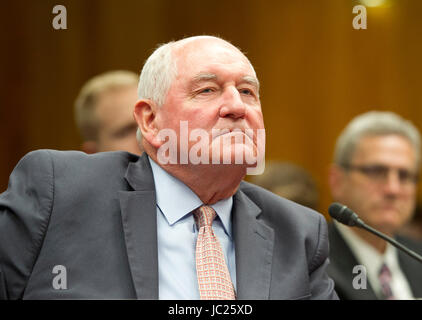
(346, 216)
(392, 241)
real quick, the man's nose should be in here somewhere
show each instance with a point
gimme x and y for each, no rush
(232, 105)
(393, 184)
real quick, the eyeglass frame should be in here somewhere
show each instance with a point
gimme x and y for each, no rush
(406, 177)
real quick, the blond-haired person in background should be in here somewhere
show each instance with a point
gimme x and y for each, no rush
(104, 112)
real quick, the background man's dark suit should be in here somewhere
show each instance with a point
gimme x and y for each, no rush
(96, 215)
(342, 262)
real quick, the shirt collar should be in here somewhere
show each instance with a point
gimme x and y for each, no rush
(176, 200)
(366, 254)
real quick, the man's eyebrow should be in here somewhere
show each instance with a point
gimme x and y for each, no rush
(213, 77)
(251, 80)
(204, 77)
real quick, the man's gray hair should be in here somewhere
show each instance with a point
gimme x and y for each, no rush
(156, 77)
(374, 123)
(157, 74)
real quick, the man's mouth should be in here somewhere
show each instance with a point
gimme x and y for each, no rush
(232, 131)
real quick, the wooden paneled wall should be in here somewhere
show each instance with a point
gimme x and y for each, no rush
(316, 71)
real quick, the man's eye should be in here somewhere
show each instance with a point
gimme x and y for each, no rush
(377, 171)
(206, 90)
(246, 91)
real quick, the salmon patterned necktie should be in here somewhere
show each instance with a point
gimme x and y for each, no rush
(213, 275)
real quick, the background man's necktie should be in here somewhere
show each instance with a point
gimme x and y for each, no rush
(384, 277)
(213, 275)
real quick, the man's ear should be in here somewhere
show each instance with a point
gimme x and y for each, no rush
(145, 115)
(89, 147)
(336, 178)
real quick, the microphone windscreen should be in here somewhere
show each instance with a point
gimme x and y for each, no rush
(342, 214)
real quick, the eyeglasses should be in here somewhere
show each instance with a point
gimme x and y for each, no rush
(380, 173)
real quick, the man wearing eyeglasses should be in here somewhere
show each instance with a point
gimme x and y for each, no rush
(375, 173)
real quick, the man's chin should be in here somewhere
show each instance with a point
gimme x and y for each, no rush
(389, 223)
(237, 154)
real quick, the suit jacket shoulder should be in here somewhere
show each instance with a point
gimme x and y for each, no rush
(50, 196)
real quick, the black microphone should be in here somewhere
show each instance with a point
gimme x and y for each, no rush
(346, 216)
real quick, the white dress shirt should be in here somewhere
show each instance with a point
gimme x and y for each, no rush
(177, 233)
(369, 257)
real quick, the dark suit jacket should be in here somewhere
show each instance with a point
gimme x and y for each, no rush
(96, 216)
(342, 262)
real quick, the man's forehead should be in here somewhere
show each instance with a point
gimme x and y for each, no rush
(386, 147)
(199, 62)
(383, 140)
(211, 47)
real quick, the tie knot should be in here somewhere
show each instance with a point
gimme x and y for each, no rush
(204, 216)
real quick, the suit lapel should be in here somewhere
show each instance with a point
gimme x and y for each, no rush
(138, 209)
(254, 242)
(341, 269)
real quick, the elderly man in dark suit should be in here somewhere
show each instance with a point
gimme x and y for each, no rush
(177, 222)
(375, 173)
